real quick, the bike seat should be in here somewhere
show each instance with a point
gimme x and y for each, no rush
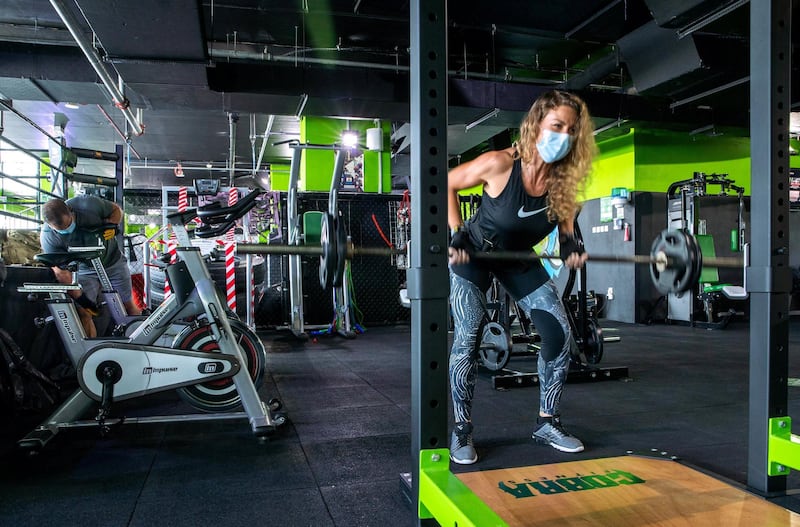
(62, 259)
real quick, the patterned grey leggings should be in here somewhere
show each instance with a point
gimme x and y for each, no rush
(543, 306)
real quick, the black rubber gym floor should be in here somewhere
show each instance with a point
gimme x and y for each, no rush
(339, 459)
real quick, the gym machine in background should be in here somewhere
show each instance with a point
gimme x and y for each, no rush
(341, 293)
(713, 219)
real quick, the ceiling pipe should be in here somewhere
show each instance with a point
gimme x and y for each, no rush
(267, 131)
(597, 70)
(120, 101)
(706, 93)
(481, 118)
(119, 131)
(616, 123)
(232, 120)
(591, 19)
(147, 166)
(253, 142)
(219, 51)
(708, 18)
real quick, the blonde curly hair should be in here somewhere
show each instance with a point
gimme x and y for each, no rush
(567, 177)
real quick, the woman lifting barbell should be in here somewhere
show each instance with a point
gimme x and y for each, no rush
(528, 189)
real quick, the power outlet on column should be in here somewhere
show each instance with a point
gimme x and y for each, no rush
(610, 293)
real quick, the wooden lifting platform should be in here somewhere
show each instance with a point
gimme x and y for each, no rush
(620, 491)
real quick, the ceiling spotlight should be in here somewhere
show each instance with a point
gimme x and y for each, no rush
(349, 138)
(209, 165)
(72, 105)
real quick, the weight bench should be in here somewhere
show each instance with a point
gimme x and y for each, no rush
(712, 290)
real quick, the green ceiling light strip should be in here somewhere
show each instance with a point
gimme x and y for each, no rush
(783, 448)
(446, 498)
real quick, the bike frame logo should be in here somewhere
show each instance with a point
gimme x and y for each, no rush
(156, 319)
(150, 370)
(546, 487)
(64, 320)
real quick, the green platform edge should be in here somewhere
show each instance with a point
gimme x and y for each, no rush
(784, 449)
(446, 498)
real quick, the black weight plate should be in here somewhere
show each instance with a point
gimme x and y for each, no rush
(328, 261)
(697, 268)
(593, 342)
(495, 347)
(688, 252)
(684, 258)
(341, 252)
(661, 281)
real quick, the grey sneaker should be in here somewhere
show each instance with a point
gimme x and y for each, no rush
(550, 432)
(462, 451)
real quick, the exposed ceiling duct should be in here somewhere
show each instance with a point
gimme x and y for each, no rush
(655, 55)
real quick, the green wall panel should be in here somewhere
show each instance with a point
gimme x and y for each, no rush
(613, 167)
(279, 176)
(316, 166)
(664, 157)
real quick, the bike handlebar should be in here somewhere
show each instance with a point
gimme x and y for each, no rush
(63, 259)
(216, 219)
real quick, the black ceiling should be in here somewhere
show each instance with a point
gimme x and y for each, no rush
(188, 64)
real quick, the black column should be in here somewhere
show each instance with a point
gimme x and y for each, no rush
(428, 283)
(768, 275)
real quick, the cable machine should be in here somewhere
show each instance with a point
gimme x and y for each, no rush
(684, 200)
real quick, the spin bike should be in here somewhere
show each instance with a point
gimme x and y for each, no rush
(189, 333)
(206, 365)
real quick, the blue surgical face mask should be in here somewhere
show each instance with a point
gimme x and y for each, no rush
(68, 230)
(553, 146)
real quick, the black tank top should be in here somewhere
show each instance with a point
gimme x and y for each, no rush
(513, 221)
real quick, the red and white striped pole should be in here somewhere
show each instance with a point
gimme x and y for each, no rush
(183, 199)
(230, 263)
(173, 254)
(172, 245)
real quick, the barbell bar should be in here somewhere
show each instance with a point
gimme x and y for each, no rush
(675, 258)
(312, 250)
(495, 256)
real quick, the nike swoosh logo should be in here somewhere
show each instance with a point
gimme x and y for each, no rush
(522, 213)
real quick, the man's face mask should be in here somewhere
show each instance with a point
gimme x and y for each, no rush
(68, 230)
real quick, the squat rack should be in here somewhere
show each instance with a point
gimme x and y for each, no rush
(436, 492)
